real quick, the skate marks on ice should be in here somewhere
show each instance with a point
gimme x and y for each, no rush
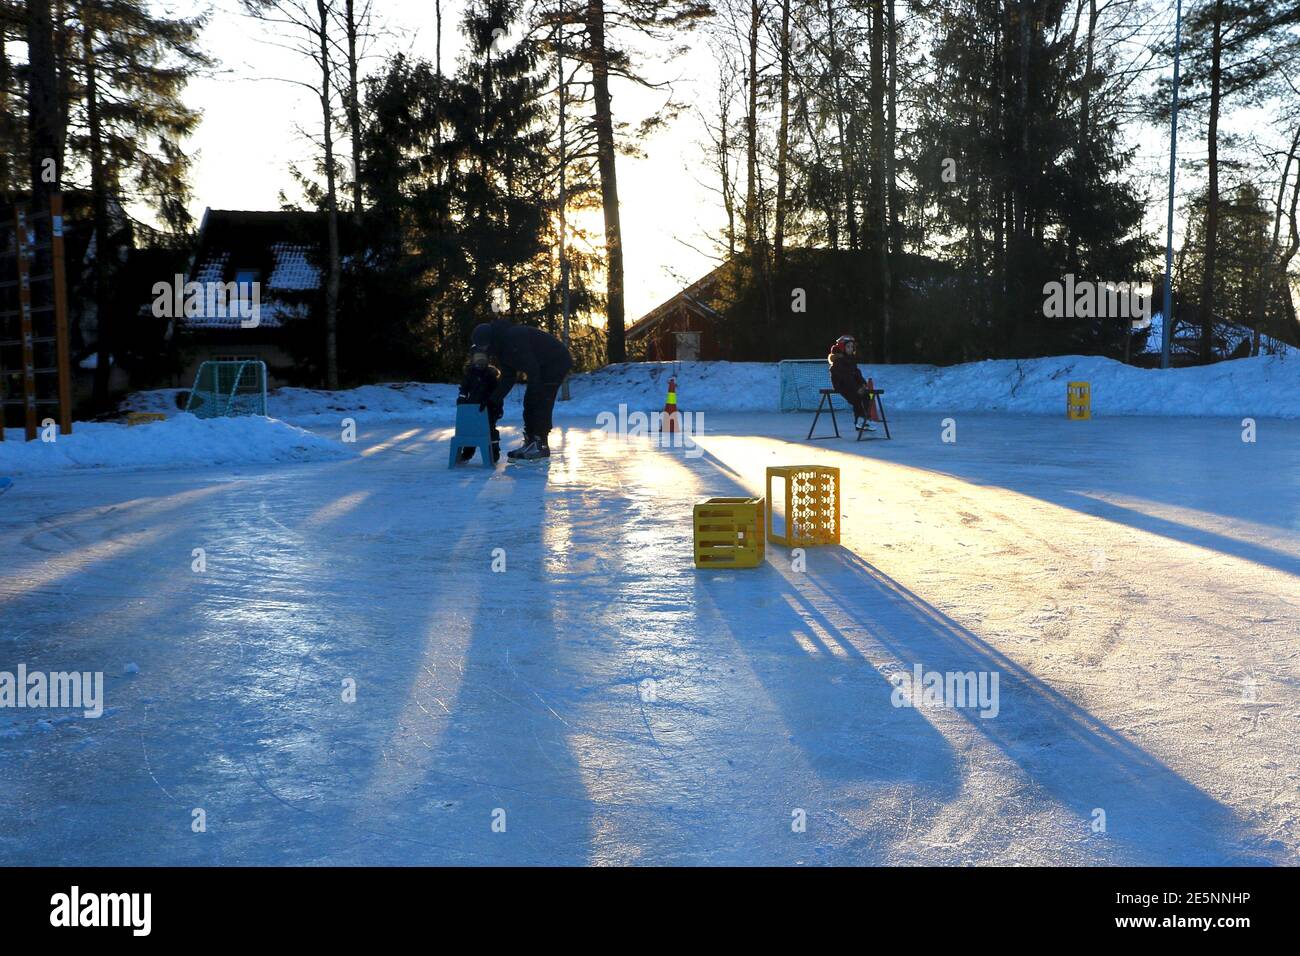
(1069, 757)
(1032, 778)
(616, 705)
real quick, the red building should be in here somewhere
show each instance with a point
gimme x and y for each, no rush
(684, 328)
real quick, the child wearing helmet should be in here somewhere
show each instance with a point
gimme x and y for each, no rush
(847, 380)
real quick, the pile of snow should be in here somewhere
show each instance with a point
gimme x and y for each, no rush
(181, 440)
(701, 386)
(398, 401)
(1267, 386)
(401, 401)
(643, 386)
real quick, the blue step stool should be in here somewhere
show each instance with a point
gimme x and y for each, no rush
(472, 431)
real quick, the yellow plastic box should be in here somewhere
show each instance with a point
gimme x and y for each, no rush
(812, 505)
(144, 418)
(1078, 401)
(729, 533)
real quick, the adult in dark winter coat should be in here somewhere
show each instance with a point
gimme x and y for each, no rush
(542, 359)
(847, 380)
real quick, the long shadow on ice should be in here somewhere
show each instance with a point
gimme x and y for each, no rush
(835, 703)
(503, 780)
(1198, 465)
(1153, 815)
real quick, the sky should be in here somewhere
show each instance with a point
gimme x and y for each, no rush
(253, 123)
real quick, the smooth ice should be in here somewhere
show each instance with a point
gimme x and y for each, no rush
(387, 662)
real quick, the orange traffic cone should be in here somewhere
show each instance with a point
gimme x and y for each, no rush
(872, 414)
(670, 406)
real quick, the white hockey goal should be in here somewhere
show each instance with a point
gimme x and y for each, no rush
(228, 388)
(801, 383)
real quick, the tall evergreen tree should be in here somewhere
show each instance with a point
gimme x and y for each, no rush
(460, 184)
(127, 127)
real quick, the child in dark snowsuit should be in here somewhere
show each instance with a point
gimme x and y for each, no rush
(480, 382)
(847, 380)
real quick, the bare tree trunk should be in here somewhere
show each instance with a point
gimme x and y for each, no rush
(1085, 109)
(891, 137)
(331, 207)
(879, 223)
(783, 140)
(722, 147)
(615, 344)
(99, 209)
(63, 52)
(1284, 263)
(42, 101)
(1212, 189)
(1275, 280)
(846, 164)
(828, 200)
(354, 110)
(1001, 187)
(8, 173)
(1085, 94)
(1022, 212)
(751, 132)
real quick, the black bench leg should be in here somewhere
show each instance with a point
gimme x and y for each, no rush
(813, 427)
(880, 404)
(829, 405)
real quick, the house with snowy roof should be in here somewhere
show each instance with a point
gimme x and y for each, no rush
(255, 279)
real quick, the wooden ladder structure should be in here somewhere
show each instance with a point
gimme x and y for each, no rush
(34, 347)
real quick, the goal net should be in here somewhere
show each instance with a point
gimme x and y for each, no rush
(801, 383)
(228, 388)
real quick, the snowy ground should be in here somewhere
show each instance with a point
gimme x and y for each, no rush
(1133, 582)
(1254, 387)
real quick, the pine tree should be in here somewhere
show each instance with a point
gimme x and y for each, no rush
(461, 185)
(127, 126)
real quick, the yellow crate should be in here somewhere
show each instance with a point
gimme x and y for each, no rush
(144, 418)
(1078, 401)
(812, 505)
(729, 533)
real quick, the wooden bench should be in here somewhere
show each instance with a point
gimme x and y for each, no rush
(873, 394)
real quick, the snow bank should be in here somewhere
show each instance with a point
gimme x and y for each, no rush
(401, 401)
(182, 440)
(1267, 386)
(701, 386)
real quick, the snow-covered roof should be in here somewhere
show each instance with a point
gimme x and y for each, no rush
(272, 248)
(293, 270)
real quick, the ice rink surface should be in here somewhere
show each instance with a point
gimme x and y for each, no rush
(1133, 582)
